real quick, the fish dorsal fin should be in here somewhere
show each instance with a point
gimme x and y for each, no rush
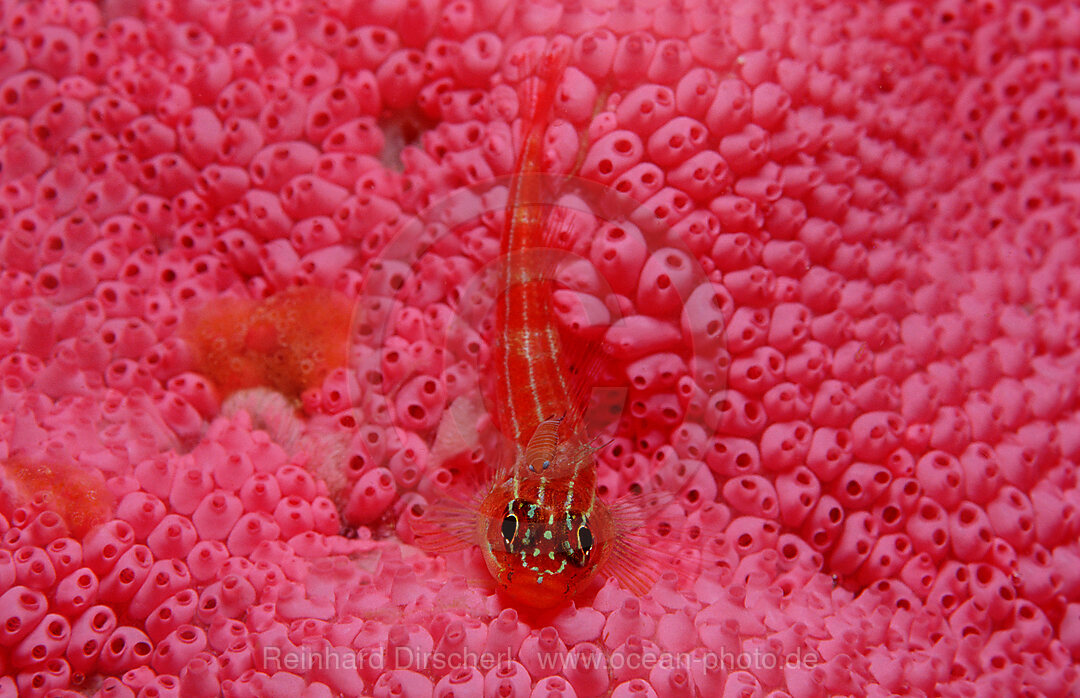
(540, 453)
(558, 228)
(583, 362)
(582, 356)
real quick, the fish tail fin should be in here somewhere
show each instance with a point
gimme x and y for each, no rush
(538, 92)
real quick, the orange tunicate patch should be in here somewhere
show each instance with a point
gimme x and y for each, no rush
(288, 342)
(78, 495)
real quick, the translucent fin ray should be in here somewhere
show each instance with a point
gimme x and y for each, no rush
(635, 561)
(446, 526)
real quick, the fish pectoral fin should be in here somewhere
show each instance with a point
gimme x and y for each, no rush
(635, 560)
(446, 526)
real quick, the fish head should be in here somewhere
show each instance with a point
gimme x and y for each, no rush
(541, 550)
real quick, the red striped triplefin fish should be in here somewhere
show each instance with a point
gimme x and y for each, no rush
(544, 533)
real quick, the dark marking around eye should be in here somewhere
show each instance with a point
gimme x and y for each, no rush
(585, 539)
(509, 531)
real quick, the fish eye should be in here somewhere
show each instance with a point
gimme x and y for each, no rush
(585, 539)
(509, 529)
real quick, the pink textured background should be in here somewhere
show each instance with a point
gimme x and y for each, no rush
(874, 446)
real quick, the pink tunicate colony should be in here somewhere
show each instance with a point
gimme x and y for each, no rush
(845, 308)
